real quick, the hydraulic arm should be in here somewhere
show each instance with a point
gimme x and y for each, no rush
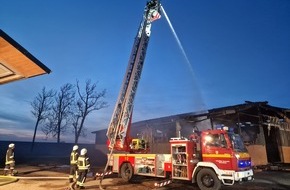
(119, 127)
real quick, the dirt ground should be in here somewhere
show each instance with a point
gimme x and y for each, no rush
(264, 180)
(43, 178)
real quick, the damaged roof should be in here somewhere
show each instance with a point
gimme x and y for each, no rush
(249, 112)
(251, 108)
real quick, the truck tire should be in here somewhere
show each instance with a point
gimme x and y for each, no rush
(207, 180)
(126, 172)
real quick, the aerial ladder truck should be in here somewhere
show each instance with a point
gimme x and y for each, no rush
(209, 158)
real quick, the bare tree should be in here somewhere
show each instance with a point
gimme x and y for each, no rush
(50, 127)
(61, 112)
(41, 105)
(88, 101)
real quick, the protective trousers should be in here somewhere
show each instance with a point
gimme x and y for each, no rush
(73, 172)
(82, 178)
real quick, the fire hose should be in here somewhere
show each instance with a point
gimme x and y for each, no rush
(4, 180)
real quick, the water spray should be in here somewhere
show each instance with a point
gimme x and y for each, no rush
(202, 104)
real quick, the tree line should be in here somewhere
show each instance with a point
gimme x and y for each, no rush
(57, 111)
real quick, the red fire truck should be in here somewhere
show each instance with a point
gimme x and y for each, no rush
(211, 158)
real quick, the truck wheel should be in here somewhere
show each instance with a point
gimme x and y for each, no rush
(126, 172)
(208, 180)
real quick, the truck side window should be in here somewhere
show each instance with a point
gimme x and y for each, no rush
(216, 140)
(223, 141)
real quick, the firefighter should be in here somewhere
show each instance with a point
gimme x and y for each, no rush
(195, 135)
(83, 168)
(9, 161)
(73, 163)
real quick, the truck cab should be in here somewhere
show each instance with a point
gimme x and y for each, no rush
(223, 159)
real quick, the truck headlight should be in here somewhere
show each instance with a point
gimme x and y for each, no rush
(237, 156)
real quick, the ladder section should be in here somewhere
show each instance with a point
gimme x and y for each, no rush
(119, 127)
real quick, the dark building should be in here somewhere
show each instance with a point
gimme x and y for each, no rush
(265, 129)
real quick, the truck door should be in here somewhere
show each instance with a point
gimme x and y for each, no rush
(216, 149)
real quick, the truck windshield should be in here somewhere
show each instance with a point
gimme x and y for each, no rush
(237, 142)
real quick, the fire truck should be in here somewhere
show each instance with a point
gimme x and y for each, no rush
(209, 158)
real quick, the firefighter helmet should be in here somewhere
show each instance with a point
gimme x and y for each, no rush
(83, 151)
(11, 145)
(75, 147)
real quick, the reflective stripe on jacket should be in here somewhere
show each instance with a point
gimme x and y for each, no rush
(83, 163)
(9, 156)
(74, 157)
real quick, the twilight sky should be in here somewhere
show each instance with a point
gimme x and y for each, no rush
(238, 50)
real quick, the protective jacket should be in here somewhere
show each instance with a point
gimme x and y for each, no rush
(74, 157)
(9, 156)
(83, 162)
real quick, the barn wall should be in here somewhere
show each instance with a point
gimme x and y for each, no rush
(286, 154)
(258, 154)
(284, 141)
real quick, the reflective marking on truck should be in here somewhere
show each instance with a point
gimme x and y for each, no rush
(244, 155)
(223, 161)
(216, 155)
